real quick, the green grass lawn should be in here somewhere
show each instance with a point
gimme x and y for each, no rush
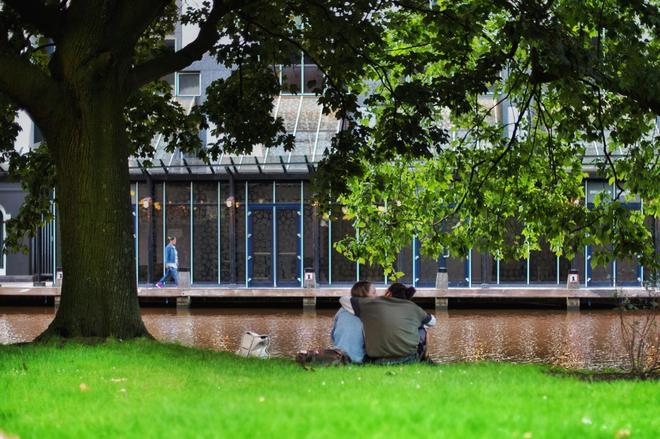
(146, 389)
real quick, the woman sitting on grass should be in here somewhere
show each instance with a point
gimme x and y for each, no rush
(393, 325)
(347, 332)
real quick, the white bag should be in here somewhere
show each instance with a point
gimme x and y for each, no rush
(254, 345)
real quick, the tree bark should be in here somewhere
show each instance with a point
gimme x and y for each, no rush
(99, 291)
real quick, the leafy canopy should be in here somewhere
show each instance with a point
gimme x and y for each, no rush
(487, 118)
(54, 48)
(466, 123)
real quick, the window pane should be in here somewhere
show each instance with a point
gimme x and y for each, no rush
(288, 192)
(428, 268)
(456, 271)
(404, 263)
(237, 212)
(240, 233)
(178, 220)
(58, 240)
(310, 236)
(579, 263)
(146, 213)
(288, 263)
(343, 270)
(157, 230)
(627, 271)
(323, 249)
(513, 271)
(313, 79)
(36, 134)
(291, 78)
(225, 244)
(261, 193)
(262, 246)
(484, 268)
(543, 265)
(457, 267)
(596, 187)
(374, 273)
(189, 84)
(205, 245)
(601, 275)
(564, 267)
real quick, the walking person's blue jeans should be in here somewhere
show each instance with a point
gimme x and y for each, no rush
(170, 271)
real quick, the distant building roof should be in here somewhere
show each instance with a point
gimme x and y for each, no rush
(302, 117)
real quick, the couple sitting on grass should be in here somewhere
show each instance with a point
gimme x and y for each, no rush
(388, 329)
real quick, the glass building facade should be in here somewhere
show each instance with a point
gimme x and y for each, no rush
(243, 229)
(265, 233)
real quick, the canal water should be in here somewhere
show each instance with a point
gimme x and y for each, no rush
(585, 339)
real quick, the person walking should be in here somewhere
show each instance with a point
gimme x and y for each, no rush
(171, 263)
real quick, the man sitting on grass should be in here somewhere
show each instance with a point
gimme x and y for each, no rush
(393, 325)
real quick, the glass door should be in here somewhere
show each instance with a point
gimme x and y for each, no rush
(598, 276)
(288, 247)
(274, 242)
(260, 247)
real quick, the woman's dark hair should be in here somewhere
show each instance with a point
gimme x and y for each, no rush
(400, 291)
(361, 289)
(171, 238)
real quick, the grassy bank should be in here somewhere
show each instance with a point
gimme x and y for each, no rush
(145, 389)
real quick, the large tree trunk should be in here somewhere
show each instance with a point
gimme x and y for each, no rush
(99, 292)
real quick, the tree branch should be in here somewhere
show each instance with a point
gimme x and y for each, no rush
(208, 34)
(132, 18)
(27, 85)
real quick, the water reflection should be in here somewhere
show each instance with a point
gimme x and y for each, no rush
(574, 339)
